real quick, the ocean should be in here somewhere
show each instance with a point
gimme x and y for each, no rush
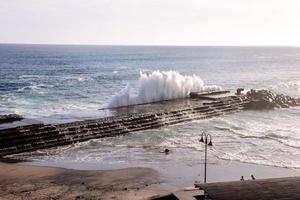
(59, 83)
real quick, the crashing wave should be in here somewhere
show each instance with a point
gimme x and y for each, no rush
(291, 88)
(159, 86)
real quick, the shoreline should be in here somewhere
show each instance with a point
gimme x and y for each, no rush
(18, 181)
(180, 174)
(25, 180)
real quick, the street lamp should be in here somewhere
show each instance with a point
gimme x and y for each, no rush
(206, 139)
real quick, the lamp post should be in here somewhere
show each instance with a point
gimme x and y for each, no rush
(206, 139)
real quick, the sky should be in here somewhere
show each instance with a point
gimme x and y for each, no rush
(151, 22)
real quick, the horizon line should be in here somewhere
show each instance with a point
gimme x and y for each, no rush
(141, 45)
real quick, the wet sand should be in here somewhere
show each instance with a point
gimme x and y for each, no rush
(24, 181)
(30, 182)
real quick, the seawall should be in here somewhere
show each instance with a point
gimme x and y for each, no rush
(32, 137)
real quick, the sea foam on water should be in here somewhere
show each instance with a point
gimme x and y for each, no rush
(158, 86)
(291, 88)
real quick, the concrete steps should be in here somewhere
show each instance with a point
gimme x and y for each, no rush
(30, 138)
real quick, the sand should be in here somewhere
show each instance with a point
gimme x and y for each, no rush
(24, 181)
(31, 182)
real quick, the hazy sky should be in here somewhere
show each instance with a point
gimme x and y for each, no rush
(153, 22)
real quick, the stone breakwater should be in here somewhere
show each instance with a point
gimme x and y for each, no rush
(40, 136)
(10, 118)
(265, 99)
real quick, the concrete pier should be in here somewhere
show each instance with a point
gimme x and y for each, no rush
(134, 118)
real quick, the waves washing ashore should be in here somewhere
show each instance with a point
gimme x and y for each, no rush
(290, 88)
(159, 86)
(68, 83)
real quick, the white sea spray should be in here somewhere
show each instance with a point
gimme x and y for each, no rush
(158, 86)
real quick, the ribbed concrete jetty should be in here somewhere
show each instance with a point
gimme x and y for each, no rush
(135, 118)
(125, 120)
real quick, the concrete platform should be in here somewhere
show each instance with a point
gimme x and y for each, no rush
(265, 189)
(24, 136)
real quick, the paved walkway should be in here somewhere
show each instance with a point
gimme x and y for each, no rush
(264, 189)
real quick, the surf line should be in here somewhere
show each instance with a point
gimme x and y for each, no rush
(199, 106)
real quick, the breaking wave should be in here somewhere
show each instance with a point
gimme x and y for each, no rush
(35, 87)
(77, 78)
(158, 86)
(290, 88)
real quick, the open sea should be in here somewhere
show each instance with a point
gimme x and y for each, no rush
(58, 83)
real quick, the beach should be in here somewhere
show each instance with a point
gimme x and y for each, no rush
(157, 100)
(54, 85)
(30, 182)
(24, 181)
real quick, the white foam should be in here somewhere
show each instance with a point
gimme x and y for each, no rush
(291, 84)
(77, 78)
(290, 88)
(28, 76)
(35, 87)
(158, 86)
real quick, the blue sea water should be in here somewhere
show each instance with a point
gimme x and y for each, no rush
(60, 82)
(45, 80)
